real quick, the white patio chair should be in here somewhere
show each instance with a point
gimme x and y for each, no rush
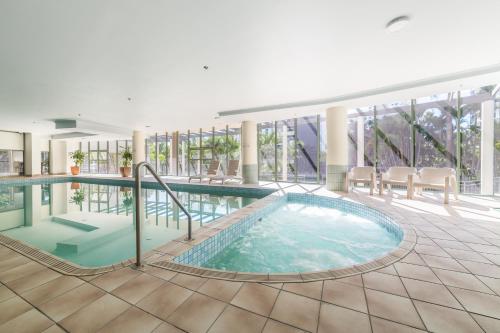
(402, 176)
(231, 173)
(212, 171)
(364, 175)
(436, 178)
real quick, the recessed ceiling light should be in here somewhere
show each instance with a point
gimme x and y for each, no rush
(148, 126)
(397, 23)
(205, 67)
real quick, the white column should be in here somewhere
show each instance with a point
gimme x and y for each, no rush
(32, 155)
(487, 146)
(58, 157)
(249, 168)
(32, 205)
(336, 155)
(138, 148)
(361, 141)
(284, 160)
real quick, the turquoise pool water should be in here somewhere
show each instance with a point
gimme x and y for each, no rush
(92, 224)
(304, 237)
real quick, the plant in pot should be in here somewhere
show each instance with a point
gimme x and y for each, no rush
(78, 157)
(125, 169)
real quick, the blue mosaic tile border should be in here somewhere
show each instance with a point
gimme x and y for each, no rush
(206, 250)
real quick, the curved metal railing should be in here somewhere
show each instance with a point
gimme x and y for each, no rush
(138, 209)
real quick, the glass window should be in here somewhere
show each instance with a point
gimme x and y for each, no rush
(436, 131)
(163, 154)
(113, 157)
(393, 135)
(194, 155)
(5, 158)
(266, 145)
(307, 149)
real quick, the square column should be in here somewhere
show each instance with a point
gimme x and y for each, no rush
(138, 148)
(336, 154)
(249, 167)
(32, 155)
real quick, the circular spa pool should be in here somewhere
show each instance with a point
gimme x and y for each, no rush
(306, 233)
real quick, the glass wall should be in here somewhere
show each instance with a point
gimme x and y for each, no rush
(11, 162)
(103, 157)
(292, 150)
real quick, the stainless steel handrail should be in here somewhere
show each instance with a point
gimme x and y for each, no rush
(138, 210)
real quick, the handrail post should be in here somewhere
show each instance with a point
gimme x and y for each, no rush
(138, 210)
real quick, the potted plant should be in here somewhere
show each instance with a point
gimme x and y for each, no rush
(125, 169)
(78, 156)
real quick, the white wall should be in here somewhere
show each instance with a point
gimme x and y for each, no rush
(11, 141)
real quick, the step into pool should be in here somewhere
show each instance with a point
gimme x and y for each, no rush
(91, 224)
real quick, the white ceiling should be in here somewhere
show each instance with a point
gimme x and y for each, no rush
(62, 59)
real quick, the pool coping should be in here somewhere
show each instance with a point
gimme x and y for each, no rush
(167, 250)
(406, 245)
(163, 255)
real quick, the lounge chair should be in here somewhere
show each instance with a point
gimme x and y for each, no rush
(402, 176)
(364, 175)
(436, 178)
(213, 169)
(231, 172)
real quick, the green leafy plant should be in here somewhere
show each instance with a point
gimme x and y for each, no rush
(126, 158)
(78, 197)
(127, 199)
(78, 157)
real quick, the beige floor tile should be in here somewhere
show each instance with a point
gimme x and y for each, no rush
(64, 305)
(5, 293)
(273, 326)
(430, 292)
(167, 328)
(13, 261)
(444, 263)
(298, 311)
(33, 280)
(12, 308)
(432, 250)
(29, 322)
(388, 270)
(473, 301)
(51, 289)
(131, 321)
(384, 282)
(467, 255)
(482, 268)
(137, 288)
(113, 280)
(346, 295)
(416, 272)
(354, 280)
(449, 244)
(54, 329)
(234, 319)
(461, 280)
(392, 307)
(380, 325)
(336, 319)
(95, 315)
(220, 289)
(256, 298)
(308, 289)
(489, 325)
(188, 281)
(162, 273)
(413, 258)
(197, 313)
(492, 283)
(165, 300)
(494, 258)
(481, 248)
(20, 271)
(443, 319)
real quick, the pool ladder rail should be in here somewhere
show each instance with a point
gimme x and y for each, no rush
(138, 208)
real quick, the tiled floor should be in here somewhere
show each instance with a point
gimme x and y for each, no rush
(449, 283)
